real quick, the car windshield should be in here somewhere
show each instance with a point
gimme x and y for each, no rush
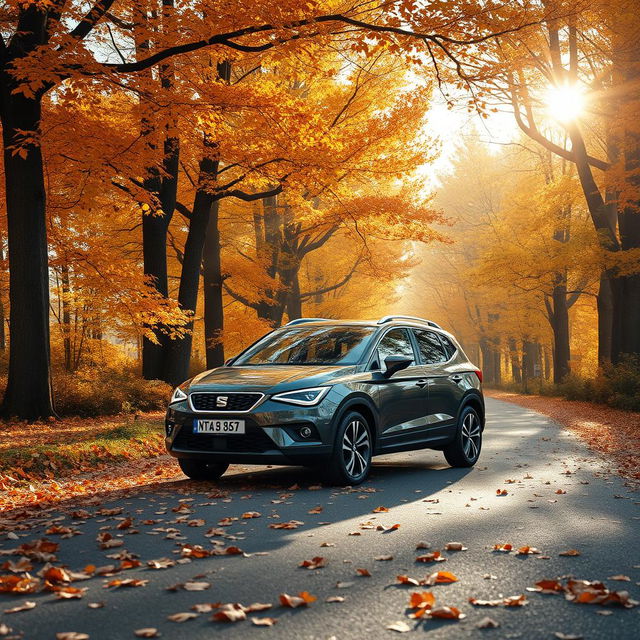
(309, 345)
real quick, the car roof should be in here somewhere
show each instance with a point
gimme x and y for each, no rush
(387, 321)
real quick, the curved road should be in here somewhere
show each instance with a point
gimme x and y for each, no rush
(524, 453)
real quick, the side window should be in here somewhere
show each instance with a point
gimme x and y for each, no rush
(431, 348)
(449, 347)
(395, 343)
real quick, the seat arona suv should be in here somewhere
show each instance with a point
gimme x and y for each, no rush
(332, 394)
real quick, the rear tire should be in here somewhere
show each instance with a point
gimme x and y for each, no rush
(199, 470)
(350, 461)
(464, 451)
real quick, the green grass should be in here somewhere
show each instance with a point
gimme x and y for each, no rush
(140, 439)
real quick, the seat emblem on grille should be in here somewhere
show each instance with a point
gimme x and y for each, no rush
(221, 401)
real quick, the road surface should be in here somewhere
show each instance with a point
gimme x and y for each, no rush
(524, 453)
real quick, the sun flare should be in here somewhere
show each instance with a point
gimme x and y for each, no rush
(565, 102)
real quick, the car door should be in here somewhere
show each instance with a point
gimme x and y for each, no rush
(445, 392)
(402, 397)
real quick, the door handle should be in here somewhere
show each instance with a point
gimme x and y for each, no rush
(456, 377)
(422, 383)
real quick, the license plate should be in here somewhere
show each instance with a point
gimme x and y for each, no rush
(219, 426)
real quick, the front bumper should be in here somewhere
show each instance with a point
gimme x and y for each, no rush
(272, 435)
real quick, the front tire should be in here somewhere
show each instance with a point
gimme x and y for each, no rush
(351, 458)
(199, 470)
(464, 451)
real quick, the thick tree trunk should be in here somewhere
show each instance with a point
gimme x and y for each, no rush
(488, 361)
(605, 319)
(213, 279)
(178, 355)
(269, 251)
(28, 393)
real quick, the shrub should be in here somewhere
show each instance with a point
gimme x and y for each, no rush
(106, 391)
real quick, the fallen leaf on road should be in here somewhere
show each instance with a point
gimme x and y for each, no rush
(560, 492)
(380, 510)
(25, 606)
(334, 599)
(147, 632)
(264, 622)
(503, 547)
(527, 551)
(301, 600)
(421, 602)
(71, 635)
(441, 577)
(455, 546)
(435, 556)
(363, 572)
(18, 584)
(501, 492)
(162, 563)
(570, 552)
(315, 510)
(487, 623)
(230, 613)
(447, 613)
(315, 563)
(383, 558)
(393, 527)
(129, 582)
(292, 524)
(567, 636)
(182, 616)
(423, 545)
(95, 605)
(620, 578)
(251, 514)
(400, 627)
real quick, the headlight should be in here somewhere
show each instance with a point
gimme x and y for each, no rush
(306, 397)
(178, 395)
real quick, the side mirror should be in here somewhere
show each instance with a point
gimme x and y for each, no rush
(395, 364)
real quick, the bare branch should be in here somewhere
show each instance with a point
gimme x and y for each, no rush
(91, 19)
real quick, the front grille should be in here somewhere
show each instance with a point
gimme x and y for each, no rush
(255, 440)
(224, 402)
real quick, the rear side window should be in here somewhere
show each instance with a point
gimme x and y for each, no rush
(395, 343)
(431, 348)
(449, 347)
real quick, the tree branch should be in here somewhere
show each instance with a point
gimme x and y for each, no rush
(91, 19)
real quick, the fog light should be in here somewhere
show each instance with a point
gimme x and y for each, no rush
(305, 432)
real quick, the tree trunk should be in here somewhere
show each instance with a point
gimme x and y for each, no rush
(559, 320)
(516, 369)
(269, 252)
(605, 319)
(178, 353)
(28, 393)
(488, 361)
(213, 279)
(66, 318)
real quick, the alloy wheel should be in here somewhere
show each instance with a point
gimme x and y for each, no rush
(471, 435)
(356, 448)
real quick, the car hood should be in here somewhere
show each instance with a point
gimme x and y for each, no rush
(265, 378)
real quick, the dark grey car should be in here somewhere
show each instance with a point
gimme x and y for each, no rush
(332, 394)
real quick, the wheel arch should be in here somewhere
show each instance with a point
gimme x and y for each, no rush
(476, 401)
(364, 405)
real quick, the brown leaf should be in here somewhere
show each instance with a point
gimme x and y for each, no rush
(441, 577)
(380, 510)
(567, 636)
(570, 552)
(230, 613)
(292, 524)
(501, 492)
(264, 622)
(364, 573)
(527, 551)
(250, 514)
(25, 606)
(455, 546)
(421, 602)
(315, 563)
(435, 556)
(129, 582)
(182, 616)
(71, 635)
(447, 613)
(18, 584)
(315, 510)
(503, 547)
(303, 599)
(148, 632)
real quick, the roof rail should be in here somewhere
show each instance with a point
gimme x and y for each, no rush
(414, 318)
(303, 320)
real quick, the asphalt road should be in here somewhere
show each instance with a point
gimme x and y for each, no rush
(598, 515)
